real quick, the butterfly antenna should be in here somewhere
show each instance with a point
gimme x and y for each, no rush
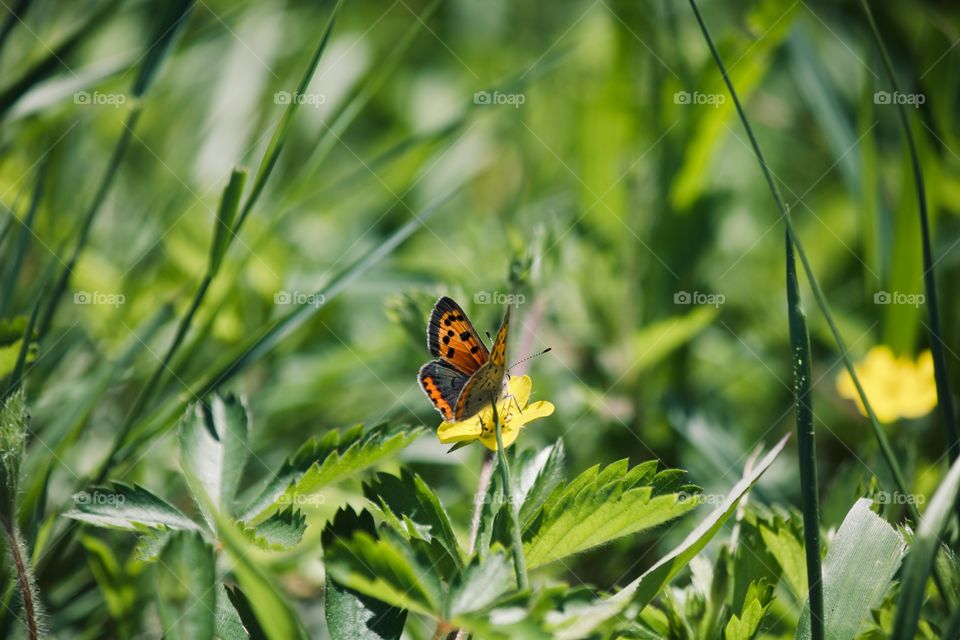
(536, 355)
(489, 337)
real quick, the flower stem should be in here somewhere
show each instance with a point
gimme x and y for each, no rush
(519, 562)
(24, 579)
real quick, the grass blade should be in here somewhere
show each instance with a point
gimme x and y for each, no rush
(55, 57)
(884, 443)
(167, 30)
(806, 444)
(944, 396)
(923, 553)
(26, 232)
(15, 14)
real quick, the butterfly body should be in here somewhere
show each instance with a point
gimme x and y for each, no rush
(465, 376)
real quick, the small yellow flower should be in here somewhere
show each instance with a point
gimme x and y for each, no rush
(480, 427)
(896, 387)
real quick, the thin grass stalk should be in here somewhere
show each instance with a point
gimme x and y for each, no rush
(519, 561)
(806, 444)
(882, 441)
(944, 397)
(26, 231)
(15, 15)
(116, 158)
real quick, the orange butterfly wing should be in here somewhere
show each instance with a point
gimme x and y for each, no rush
(452, 338)
(486, 385)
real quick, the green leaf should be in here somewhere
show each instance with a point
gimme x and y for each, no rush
(414, 510)
(274, 615)
(283, 530)
(243, 610)
(784, 544)
(351, 614)
(600, 506)
(862, 559)
(386, 568)
(213, 449)
(480, 585)
(322, 462)
(536, 477)
(128, 508)
(229, 624)
(186, 587)
(642, 591)
(656, 341)
(923, 552)
(745, 625)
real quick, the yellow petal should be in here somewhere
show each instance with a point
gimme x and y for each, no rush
(519, 387)
(452, 432)
(540, 409)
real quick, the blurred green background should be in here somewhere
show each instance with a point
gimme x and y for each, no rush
(591, 166)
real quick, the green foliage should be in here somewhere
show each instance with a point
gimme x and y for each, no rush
(744, 626)
(186, 587)
(323, 461)
(923, 553)
(128, 508)
(862, 559)
(602, 505)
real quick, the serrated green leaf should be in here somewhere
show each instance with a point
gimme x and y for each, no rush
(597, 507)
(354, 616)
(213, 449)
(386, 569)
(186, 587)
(414, 510)
(150, 545)
(128, 508)
(241, 605)
(855, 574)
(273, 614)
(479, 586)
(745, 625)
(923, 552)
(642, 591)
(283, 530)
(537, 475)
(351, 614)
(785, 545)
(330, 459)
(229, 624)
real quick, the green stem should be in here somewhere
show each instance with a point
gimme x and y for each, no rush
(806, 445)
(519, 562)
(119, 151)
(944, 397)
(885, 448)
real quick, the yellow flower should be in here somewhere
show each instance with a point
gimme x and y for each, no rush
(480, 427)
(896, 387)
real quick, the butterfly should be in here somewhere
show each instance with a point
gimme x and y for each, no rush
(465, 377)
